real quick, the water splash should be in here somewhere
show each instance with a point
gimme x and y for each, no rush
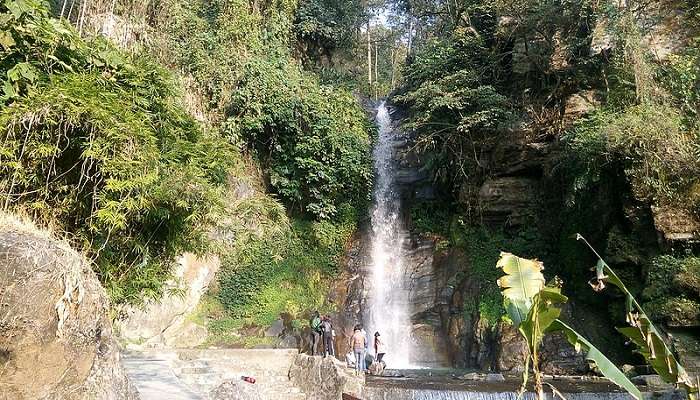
(388, 297)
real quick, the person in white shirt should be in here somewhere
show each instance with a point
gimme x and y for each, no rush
(379, 347)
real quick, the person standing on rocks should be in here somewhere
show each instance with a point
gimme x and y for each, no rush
(364, 356)
(379, 347)
(315, 332)
(357, 344)
(327, 331)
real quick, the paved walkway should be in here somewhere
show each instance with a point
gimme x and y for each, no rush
(190, 374)
(155, 380)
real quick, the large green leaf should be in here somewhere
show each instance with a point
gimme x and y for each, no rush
(606, 367)
(544, 311)
(642, 331)
(523, 279)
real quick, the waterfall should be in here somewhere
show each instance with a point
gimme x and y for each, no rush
(388, 296)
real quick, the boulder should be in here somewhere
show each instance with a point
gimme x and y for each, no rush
(55, 332)
(651, 382)
(164, 323)
(579, 105)
(676, 224)
(324, 378)
(662, 26)
(235, 390)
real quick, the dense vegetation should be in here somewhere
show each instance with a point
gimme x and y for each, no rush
(96, 144)
(239, 121)
(100, 142)
(482, 73)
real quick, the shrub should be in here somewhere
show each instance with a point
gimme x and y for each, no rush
(285, 272)
(95, 143)
(314, 140)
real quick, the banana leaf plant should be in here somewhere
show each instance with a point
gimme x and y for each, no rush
(534, 309)
(642, 332)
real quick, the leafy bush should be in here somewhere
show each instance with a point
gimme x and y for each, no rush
(648, 141)
(454, 107)
(94, 143)
(285, 272)
(312, 140)
(672, 293)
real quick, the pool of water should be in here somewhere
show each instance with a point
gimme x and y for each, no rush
(448, 384)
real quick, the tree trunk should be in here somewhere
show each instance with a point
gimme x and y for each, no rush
(376, 71)
(393, 78)
(410, 34)
(369, 58)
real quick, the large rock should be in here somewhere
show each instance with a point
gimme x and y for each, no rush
(55, 333)
(324, 378)
(164, 323)
(663, 27)
(235, 390)
(509, 200)
(676, 224)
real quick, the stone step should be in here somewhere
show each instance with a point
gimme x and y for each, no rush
(200, 371)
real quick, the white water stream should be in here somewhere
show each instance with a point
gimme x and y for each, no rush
(388, 297)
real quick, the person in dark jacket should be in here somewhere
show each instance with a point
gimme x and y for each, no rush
(327, 332)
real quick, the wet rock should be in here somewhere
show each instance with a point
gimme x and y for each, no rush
(495, 378)
(509, 200)
(235, 390)
(324, 378)
(55, 332)
(651, 381)
(472, 376)
(392, 373)
(628, 370)
(376, 368)
(511, 349)
(276, 329)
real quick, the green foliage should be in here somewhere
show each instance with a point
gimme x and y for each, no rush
(672, 293)
(287, 272)
(95, 143)
(648, 142)
(313, 140)
(328, 24)
(482, 247)
(535, 308)
(642, 332)
(453, 104)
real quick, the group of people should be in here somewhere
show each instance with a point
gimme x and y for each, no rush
(359, 344)
(323, 336)
(322, 331)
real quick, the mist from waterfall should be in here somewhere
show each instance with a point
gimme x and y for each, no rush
(388, 297)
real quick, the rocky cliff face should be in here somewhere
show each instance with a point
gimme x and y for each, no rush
(164, 323)
(55, 333)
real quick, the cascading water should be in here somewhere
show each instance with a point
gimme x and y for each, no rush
(388, 297)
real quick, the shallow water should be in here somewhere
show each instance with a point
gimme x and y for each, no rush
(446, 384)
